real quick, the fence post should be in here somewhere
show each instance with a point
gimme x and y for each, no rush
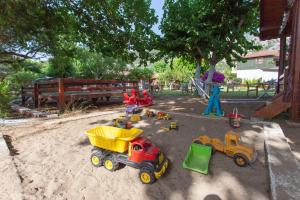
(61, 94)
(36, 95)
(23, 96)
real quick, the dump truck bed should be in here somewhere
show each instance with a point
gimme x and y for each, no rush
(197, 158)
(112, 138)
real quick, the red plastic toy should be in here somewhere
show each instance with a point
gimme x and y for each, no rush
(134, 100)
(147, 100)
(130, 100)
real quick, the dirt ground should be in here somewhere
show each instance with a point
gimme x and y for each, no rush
(52, 159)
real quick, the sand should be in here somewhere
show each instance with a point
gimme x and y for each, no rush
(53, 160)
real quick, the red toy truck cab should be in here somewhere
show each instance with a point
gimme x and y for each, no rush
(141, 149)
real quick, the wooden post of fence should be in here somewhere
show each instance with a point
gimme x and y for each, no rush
(36, 95)
(136, 87)
(61, 94)
(23, 96)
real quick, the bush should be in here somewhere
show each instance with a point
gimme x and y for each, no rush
(18, 79)
(4, 98)
(138, 73)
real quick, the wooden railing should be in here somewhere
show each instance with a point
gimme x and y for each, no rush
(64, 89)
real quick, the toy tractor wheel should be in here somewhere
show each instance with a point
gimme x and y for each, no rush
(147, 176)
(97, 158)
(240, 160)
(110, 164)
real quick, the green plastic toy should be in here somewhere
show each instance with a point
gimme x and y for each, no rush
(197, 158)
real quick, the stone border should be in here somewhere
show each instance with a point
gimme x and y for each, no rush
(10, 180)
(283, 168)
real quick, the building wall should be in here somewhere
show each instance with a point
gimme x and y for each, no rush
(257, 63)
(256, 74)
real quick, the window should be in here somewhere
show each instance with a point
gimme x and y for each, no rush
(232, 143)
(259, 61)
(137, 147)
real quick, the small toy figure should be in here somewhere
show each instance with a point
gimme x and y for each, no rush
(162, 115)
(122, 123)
(150, 113)
(133, 109)
(135, 118)
(173, 125)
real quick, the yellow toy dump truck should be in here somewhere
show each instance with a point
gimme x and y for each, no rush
(233, 147)
(114, 146)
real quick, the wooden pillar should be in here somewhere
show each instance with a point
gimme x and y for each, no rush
(36, 95)
(61, 94)
(281, 61)
(296, 62)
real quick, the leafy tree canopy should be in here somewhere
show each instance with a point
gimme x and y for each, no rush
(118, 28)
(209, 29)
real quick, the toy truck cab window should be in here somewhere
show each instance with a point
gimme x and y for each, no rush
(232, 142)
(137, 147)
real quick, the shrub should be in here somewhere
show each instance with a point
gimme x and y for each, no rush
(4, 98)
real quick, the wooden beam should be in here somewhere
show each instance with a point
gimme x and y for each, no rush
(36, 95)
(296, 62)
(282, 55)
(61, 94)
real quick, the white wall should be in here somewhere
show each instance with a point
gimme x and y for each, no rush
(256, 74)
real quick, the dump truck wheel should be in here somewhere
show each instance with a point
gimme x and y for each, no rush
(147, 176)
(240, 160)
(97, 158)
(110, 163)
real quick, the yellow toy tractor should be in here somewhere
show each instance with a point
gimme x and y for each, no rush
(233, 147)
(162, 115)
(150, 113)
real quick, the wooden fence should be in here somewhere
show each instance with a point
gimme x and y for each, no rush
(65, 90)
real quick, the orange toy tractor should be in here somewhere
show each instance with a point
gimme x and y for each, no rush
(233, 147)
(162, 115)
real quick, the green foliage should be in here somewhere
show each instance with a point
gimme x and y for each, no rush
(181, 70)
(60, 67)
(138, 73)
(159, 66)
(211, 29)
(4, 98)
(252, 81)
(95, 65)
(20, 78)
(116, 28)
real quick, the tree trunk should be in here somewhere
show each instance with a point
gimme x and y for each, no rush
(198, 67)
(208, 81)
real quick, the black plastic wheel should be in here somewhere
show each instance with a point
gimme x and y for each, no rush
(147, 176)
(240, 160)
(110, 163)
(97, 158)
